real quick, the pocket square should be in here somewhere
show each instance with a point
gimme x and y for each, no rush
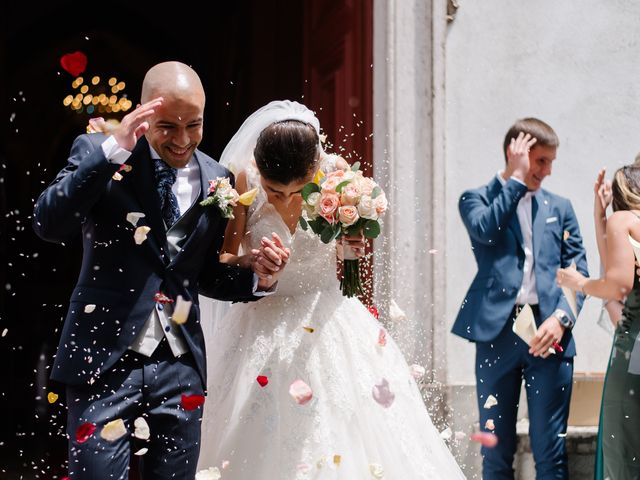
(552, 219)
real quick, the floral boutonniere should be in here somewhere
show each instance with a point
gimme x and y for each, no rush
(225, 197)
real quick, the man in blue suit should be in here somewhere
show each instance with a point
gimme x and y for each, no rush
(122, 353)
(520, 235)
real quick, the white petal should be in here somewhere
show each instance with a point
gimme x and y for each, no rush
(133, 217)
(89, 308)
(491, 402)
(113, 430)
(141, 429)
(140, 234)
(181, 310)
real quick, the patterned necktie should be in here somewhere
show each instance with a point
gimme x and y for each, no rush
(166, 177)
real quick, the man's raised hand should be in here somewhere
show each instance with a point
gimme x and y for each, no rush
(135, 124)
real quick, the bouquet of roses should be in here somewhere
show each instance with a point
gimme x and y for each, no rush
(344, 203)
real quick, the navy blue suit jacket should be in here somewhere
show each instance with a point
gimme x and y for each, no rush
(489, 215)
(120, 277)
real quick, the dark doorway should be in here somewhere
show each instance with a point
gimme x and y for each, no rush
(247, 53)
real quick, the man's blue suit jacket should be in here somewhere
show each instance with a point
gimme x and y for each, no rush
(119, 277)
(489, 215)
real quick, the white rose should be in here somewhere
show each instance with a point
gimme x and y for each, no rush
(313, 198)
(367, 208)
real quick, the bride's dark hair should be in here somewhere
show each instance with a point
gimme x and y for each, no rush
(286, 151)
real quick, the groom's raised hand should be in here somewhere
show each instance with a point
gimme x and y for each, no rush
(269, 261)
(135, 124)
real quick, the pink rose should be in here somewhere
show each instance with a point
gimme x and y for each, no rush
(381, 203)
(350, 194)
(366, 185)
(348, 215)
(327, 207)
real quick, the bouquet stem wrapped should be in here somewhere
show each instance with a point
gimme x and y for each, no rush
(344, 203)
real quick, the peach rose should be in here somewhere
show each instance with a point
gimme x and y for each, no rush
(350, 194)
(327, 206)
(366, 185)
(381, 203)
(348, 215)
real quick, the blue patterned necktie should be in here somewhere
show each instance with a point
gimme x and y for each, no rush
(166, 177)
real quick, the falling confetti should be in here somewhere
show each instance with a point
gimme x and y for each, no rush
(117, 176)
(140, 234)
(141, 452)
(300, 392)
(491, 402)
(225, 464)
(489, 425)
(247, 198)
(211, 473)
(566, 235)
(382, 394)
(114, 430)
(133, 217)
(485, 439)
(433, 251)
(89, 308)
(382, 337)
(52, 397)
(4, 332)
(337, 459)
(309, 329)
(262, 380)
(376, 470)
(84, 432)
(417, 371)
(395, 313)
(141, 429)
(181, 312)
(74, 63)
(191, 402)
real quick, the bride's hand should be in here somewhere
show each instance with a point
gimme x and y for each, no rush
(270, 260)
(356, 243)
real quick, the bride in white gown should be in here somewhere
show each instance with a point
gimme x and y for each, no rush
(253, 427)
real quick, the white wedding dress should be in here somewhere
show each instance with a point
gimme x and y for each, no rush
(307, 330)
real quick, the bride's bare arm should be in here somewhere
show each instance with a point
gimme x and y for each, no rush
(236, 229)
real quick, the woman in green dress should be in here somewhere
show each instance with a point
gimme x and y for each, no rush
(620, 413)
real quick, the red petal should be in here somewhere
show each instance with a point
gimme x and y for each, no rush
(262, 380)
(485, 439)
(74, 63)
(191, 402)
(84, 432)
(374, 311)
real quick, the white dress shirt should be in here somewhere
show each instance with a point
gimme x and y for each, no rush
(187, 191)
(527, 293)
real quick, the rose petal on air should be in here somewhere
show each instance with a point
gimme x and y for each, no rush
(114, 430)
(382, 394)
(309, 329)
(489, 425)
(374, 311)
(125, 167)
(376, 470)
(89, 308)
(486, 439)
(446, 434)
(382, 337)
(74, 63)
(117, 176)
(52, 397)
(84, 432)
(566, 235)
(211, 473)
(417, 371)
(191, 402)
(262, 380)
(247, 198)
(133, 217)
(225, 464)
(459, 436)
(303, 467)
(141, 452)
(300, 392)
(181, 310)
(141, 429)
(491, 402)
(337, 459)
(395, 313)
(140, 234)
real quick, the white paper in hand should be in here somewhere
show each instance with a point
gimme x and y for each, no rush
(570, 295)
(525, 326)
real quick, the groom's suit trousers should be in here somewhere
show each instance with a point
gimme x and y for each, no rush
(136, 384)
